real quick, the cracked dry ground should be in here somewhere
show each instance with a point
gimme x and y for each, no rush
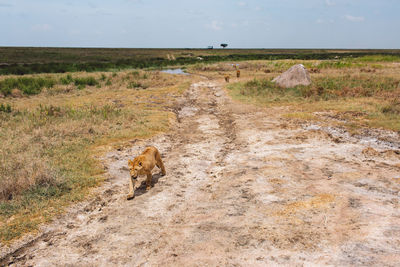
(244, 187)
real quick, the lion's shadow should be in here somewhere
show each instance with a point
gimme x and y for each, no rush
(142, 188)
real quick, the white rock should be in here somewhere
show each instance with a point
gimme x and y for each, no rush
(296, 75)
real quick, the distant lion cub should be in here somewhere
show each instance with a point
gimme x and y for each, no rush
(143, 164)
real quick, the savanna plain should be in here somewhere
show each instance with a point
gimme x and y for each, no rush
(256, 175)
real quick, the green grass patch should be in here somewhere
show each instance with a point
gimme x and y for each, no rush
(27, 85)
(31, 60)
(378, 58)
(84, 81)
(66, 80)
(322, 88)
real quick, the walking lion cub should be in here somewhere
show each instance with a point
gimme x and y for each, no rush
(143, 164)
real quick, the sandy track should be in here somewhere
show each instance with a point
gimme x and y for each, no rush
(244, 187)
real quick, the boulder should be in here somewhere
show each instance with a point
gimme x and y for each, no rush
(296, 75)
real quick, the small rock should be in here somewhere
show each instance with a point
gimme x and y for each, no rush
(217, 94)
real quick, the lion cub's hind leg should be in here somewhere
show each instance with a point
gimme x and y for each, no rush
(160, 164)
(148, 181)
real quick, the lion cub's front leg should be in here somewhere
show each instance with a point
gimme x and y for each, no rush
(132, 186)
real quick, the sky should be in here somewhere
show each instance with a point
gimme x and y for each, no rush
(200, 23)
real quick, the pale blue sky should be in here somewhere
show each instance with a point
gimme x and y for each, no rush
(197, 24)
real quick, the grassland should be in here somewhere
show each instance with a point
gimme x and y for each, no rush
(55, 125)
(30, 60)
(358, 92)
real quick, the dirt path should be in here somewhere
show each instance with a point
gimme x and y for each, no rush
(243, 188)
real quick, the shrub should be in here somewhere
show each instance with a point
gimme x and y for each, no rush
(91, 81)
(136, 85)
(66, 80)
(5, 108)
(29, 86)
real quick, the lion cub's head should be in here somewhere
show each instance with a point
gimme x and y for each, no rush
(135, 167)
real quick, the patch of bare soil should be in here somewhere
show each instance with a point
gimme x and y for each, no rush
(244, 187)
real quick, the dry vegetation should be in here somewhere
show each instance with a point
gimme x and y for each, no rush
(362, 92)
(52, 125)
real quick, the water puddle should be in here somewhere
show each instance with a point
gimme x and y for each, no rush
(175, 71)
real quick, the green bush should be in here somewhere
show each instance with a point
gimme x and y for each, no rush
(91, 81)
(66, 80)
(27, 85)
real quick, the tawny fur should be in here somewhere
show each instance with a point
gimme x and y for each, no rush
(227, 78)
(143, 165)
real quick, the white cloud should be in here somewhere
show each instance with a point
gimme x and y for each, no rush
(242, 3)
(330, 2)
(215, 25)
(354, 19)
(42, 27)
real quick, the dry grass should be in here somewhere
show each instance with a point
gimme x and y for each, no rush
(364, 92)
(49, 140)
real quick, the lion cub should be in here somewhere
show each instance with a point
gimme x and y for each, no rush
(143, 164)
